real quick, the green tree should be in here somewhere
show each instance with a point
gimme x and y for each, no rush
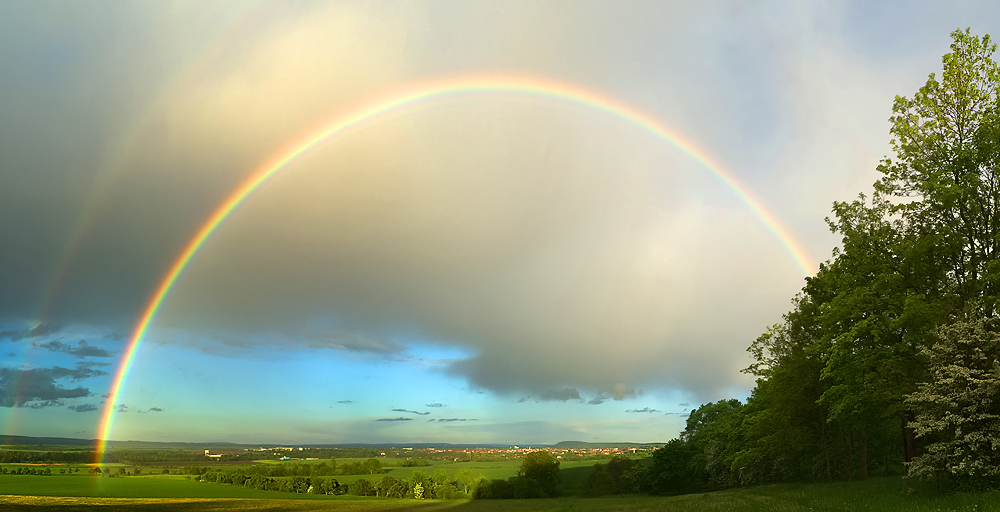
(467, 478)
(385, 486)
(599, 482)
(372, 466)
(712, 431)
(947, 141)
(542, 468)
(672, 472)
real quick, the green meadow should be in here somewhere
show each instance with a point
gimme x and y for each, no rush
(177, 494)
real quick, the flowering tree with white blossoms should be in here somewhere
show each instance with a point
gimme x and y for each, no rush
(958, 409)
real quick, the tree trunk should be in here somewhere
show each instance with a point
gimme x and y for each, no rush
(863, 454)
(850, 454)
(909, 443)
(826, 446)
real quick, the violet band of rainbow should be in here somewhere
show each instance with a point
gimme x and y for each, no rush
(392, 101)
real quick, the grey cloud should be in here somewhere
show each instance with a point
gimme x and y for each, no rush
(644, 409)
(83, 407)
(345, 401)
(43, 404)
(618, 392)
(11, 354)
(42, 329)
(394, 419)
(435, 404)
(37, 387)
(414, 412)
(359, 342)
(449, 420)
(621, 391)
(558, 395)
(122, 408)
(82, 349)
(151, 409)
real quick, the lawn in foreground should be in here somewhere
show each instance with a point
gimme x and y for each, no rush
(874, 495)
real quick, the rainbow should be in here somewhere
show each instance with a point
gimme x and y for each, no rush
(394, 101)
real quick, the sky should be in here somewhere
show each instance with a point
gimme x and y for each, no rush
(494, 266)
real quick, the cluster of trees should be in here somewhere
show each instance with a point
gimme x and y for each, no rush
(43, 457)
(538, 477)
(26, 471)
(326, 468)
(889, 362)
(419, 486)
(621, 475)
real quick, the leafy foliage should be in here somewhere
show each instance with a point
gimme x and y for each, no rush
(880, 358)
(959, 407)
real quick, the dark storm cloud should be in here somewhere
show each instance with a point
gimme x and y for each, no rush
(82, 349)
(529, 242)
(394, 419)
(414, 412)
(42, 329)
(83, 407)
(38, 387)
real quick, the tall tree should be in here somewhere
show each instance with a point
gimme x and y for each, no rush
(947, 142)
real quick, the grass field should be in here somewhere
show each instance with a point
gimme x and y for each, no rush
(160, 486)
(874, 495)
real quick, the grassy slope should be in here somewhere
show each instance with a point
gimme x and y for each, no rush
(177, 494)
(875, 495)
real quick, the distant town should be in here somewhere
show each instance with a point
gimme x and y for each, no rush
(457, 454)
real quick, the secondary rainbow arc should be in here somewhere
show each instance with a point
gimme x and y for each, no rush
(393, 101)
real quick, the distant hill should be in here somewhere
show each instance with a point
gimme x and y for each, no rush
(585, 445)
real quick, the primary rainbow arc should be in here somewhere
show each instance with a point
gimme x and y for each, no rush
(393, 101)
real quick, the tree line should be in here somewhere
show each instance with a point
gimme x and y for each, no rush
(419, 485)
(889, 361)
